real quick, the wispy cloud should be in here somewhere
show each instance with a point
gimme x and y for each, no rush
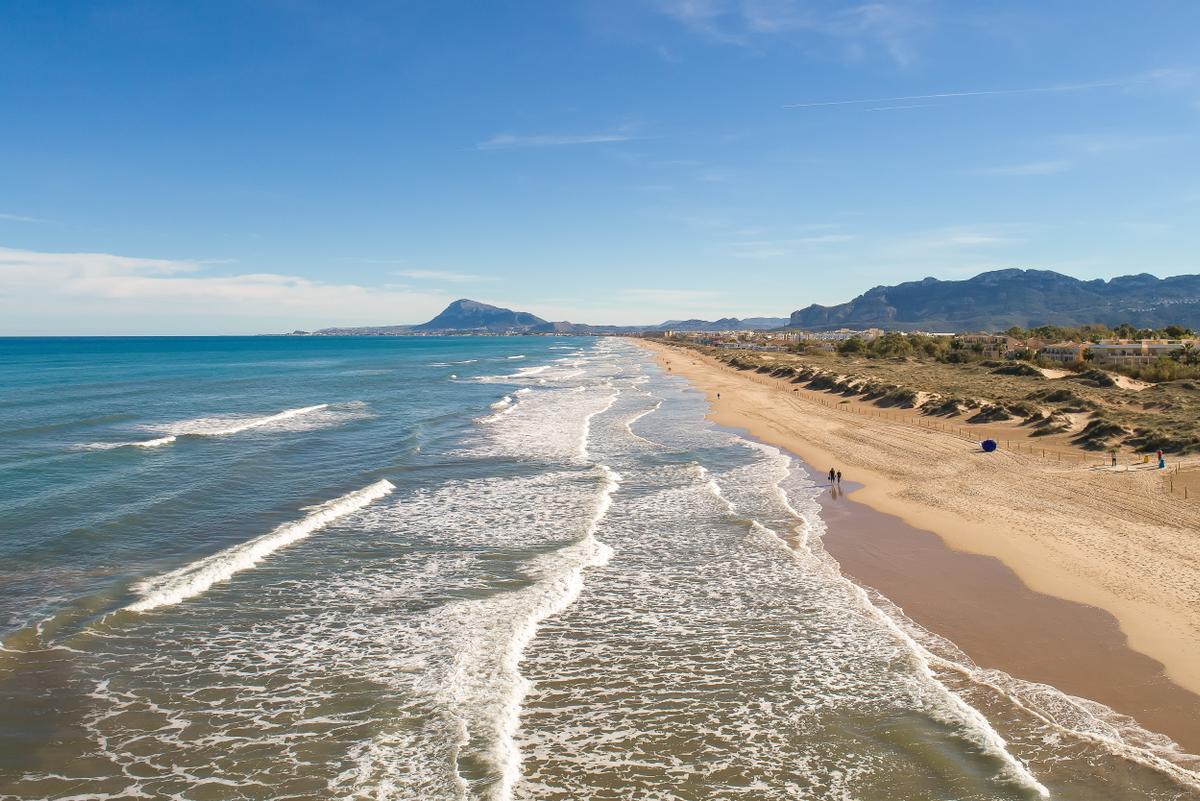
(44, 292)
(888, 25)
(1095, 144)
(1027, 168)
(902, 108)
(512, 141)
(776, 248)
(443, 275)
(1078, 87)
(21, 218)
(955, 237)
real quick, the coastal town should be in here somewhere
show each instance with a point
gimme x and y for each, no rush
(1109, 352)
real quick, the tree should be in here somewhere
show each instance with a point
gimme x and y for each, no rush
(1187, 355)
(1177, 332)
(852, 346)
(1026, 355)
(891, 344)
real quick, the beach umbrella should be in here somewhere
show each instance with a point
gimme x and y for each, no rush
(988, 445)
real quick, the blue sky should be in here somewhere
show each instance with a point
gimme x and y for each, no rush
(238, 167)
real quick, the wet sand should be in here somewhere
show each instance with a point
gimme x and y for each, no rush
(981, 606)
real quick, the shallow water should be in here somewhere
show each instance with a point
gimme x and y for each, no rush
(425, 568)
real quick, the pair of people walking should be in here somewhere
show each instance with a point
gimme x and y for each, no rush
(835, 476)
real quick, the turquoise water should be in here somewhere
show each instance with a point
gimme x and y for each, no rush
(459, 568)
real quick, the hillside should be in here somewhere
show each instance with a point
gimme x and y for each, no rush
(1000, 299)
(471, 315)
(725, 324)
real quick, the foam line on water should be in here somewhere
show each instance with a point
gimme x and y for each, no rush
(1066, 715)
(195, 430)
(970, 721)
(1092, 722)
(587, 422)
(629, 423)
(564, 590)
(191, 580)
(208, 427)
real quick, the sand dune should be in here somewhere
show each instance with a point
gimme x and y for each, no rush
(1110, 539)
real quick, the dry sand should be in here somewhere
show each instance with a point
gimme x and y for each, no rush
(1099, 538)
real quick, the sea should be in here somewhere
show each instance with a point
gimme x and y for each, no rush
(462, 568)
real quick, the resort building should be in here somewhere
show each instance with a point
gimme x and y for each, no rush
(840, 335)
(1064, 352)
(1137, 352)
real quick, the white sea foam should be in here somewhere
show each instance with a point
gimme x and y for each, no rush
(222, 426)
(943, 702)
(629, 423)
(191, 580)
(587, 421)
(560, 594)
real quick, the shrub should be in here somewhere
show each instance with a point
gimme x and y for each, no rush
(1018, 368)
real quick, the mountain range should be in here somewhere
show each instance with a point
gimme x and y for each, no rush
(990, 301)
(1000, 299)
(473, 317)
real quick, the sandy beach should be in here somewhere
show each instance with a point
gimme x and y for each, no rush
(1055, 572)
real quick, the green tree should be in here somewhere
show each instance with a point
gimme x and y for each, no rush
(891, 344)
(852, 346)
(1187, 355)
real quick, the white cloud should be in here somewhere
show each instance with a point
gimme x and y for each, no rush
(443, 275)
(80, 293)
(511, 141)
(1028, 168)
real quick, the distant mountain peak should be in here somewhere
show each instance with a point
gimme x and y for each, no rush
(465, 314)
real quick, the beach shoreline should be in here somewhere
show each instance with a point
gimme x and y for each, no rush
(1095, 598)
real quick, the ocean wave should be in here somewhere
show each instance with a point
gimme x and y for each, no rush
(290, 419)
(191, 580)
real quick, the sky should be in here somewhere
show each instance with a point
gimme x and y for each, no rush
(215, 167)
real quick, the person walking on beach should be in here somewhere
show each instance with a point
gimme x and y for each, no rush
(839, 477)
(832, 473)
